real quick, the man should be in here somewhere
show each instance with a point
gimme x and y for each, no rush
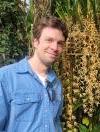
(30, 93)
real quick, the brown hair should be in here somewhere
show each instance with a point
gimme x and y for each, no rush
(50, 21)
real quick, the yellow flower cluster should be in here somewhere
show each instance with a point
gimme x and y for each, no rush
(78, 69)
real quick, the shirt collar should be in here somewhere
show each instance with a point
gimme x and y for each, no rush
(51, 75)
(24, 67)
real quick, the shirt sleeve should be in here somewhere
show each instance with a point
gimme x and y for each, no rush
(3, 106)
(58, 122)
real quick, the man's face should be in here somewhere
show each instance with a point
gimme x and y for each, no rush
(49, 46)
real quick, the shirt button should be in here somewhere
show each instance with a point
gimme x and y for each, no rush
(27, 98)
(45, 95)
(46, 126)
(46, 110)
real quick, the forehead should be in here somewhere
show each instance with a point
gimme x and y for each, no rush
(52, 32)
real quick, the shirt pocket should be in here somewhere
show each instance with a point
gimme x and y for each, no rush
(27, 106)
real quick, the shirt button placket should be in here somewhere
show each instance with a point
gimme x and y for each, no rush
(46, 122)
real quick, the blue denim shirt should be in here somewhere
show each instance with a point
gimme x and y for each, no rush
(25, 104)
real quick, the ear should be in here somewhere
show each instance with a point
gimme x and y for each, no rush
(35, 43)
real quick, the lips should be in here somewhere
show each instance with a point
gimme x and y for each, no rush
(53, 54)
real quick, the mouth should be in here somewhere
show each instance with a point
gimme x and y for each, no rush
(53, 54)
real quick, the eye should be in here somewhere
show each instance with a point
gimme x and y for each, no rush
(61, 43)
(49, 40)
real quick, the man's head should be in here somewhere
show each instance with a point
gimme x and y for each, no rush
(49, 39)
(52, 22)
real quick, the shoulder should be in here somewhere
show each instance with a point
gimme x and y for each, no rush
(5, 78)
(7, 69)
(10, 70)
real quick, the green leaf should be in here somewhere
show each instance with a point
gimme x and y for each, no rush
(85, 121)
(82, 128)
(96, 128)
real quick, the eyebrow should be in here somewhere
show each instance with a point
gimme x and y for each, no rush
(48, 37)
(61, 41)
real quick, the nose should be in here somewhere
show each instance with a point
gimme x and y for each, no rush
(54, 46)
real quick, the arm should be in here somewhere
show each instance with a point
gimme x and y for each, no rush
(58, 122)
(3, 106)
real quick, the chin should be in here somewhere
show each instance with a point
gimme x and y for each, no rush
(49, 63)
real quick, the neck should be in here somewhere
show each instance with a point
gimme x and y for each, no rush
(37, 66)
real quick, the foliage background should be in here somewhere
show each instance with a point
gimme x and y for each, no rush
(13, 33)
(79, 65)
